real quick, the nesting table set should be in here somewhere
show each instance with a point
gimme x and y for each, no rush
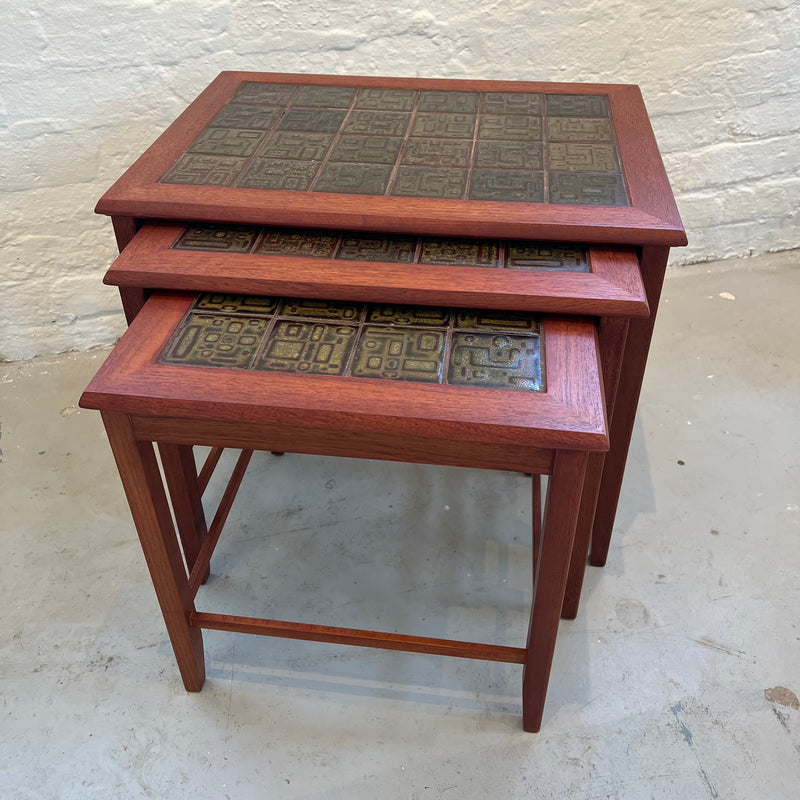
(443, 272)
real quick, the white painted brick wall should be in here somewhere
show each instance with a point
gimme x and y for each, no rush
(86, 86)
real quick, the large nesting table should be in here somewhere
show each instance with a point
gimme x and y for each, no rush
(484, 194)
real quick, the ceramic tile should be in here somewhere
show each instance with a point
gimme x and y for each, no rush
(437, 153)
(460, 252)
(316, 348)
(321, 309)
(299, 243)
(237, 304)
(214, 340)
(495, 360)
(325, 96)
(367, 149)
(273, 173)
(387, 99)
(224, 238)
(507, 185)
(493, 320)
(577, 105)
(256, 117)
(416, 316)
(495, 146)
(534, 256)
(296, 146)
(227, 142)
(343, 178)
(397, 249)
(444, 126)
(377, 123)
(275, 94)
(396, 353)
(447, 184)
(587, 188)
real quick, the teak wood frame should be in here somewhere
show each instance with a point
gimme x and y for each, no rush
(651, 225)
(143, 401)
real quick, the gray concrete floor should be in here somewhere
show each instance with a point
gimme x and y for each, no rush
(677, 680)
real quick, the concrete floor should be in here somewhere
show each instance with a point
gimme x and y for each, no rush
(677, 680)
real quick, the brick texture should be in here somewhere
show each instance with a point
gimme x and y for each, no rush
(85, 87)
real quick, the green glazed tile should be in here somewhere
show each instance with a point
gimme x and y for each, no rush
(343, 178)
(444, 126)
(200, 170)
(325, 96)
(213, 340)
(227, 142)
(510, 128)
(512, 103)
(413, 316)
(303, 243)
(577, 105)
(495, 360)
(256, 117)
(297, 146)
(568, 129)
(367, 149)
(530, 255)
(315, 348)
(381, 247)
(404, 354)
(460, 252)
(587, 188)
(275, 94)
(447, 184)
(312, 120)
(508, 155)
(226, 238)
(584, 157)
(377, 123)
(237, 304)
(386, 99)
(496, 321)
(437, 152)
(321, 309)
(272, 173)
(508, 186)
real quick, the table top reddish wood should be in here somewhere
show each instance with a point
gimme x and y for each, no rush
(569, 162)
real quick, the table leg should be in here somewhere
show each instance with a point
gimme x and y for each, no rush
(640, 332)
(138, 469)
(549, 580)
(187, 504)
(611, 335)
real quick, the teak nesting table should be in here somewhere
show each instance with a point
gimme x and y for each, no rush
(285, 199)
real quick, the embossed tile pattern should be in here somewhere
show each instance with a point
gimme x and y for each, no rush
(483, 146)
(459, 347)
(389, 248)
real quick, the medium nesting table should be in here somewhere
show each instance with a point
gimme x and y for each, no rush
(471, 194)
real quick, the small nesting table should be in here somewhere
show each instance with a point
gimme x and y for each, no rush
(420, 384)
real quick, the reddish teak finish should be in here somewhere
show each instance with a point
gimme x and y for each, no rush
(145, 401)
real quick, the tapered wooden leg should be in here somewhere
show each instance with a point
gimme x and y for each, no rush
(640, 332)
(549, 580)
(138, 469)
(187, 504)
(612, 335)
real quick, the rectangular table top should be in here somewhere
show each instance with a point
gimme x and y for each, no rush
(503, 379)
(576, 162)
